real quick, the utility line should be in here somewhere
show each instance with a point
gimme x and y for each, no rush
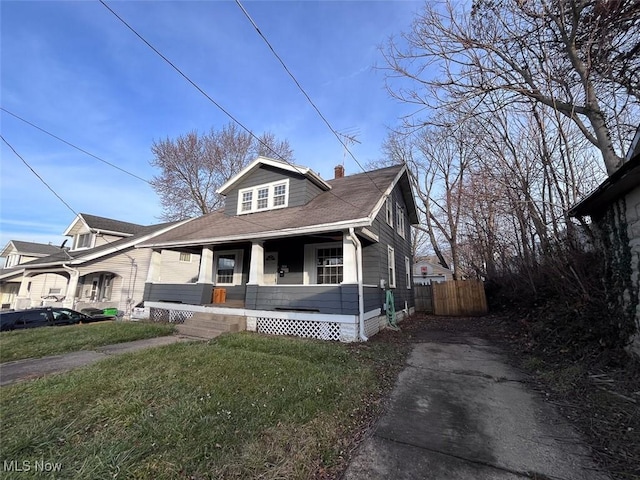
(39, 177)
(73, 146)
(220, 107)
(295, 80)
(87, 153)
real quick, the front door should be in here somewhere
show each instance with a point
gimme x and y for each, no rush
(270, 268)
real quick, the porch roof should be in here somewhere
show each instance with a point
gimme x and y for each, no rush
(353, 201)
(80, 256)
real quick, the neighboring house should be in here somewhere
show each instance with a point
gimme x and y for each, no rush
(614, 208)
(426, 271)
(295, 254)
(101, 269)
(16, 253)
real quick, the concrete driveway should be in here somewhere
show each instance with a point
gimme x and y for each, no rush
(458, 411)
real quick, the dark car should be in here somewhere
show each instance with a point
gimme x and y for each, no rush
(40, 317)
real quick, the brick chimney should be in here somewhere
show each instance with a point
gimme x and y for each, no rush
(339, 171)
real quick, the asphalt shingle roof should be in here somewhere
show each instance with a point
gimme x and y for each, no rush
(63, 255)
(25, 248)
(350, 198)
(109, 224)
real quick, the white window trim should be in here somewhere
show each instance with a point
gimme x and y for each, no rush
(408, 272)
(391, 266)
(12, 260)
(401, 227)
(237, 268)
(92, 239)
(389, 211)
(310, 256)
(184, 261)
(254, 197)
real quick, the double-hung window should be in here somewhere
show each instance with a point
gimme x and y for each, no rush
(228, 267)
(407, 270)
(83, 241)
(391, 261)
(329, 265)
(389, 211)
(246, 201)
(263, 197)
(400, 225)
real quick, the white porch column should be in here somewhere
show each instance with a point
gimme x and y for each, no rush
(153, 275)
(256, 268)
(206, 266)
(23, 291)
(72, 287)
(350, 266)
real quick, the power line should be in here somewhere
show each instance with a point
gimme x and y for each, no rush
(73, 146)
(206, 95)
(36, 174)
(295, 80)
(86, 153)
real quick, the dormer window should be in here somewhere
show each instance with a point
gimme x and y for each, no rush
(263, 197)
(83, 240)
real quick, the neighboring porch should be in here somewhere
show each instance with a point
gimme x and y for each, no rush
(60, 287)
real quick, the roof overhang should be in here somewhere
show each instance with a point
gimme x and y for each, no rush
(407, 194)
(94, 255)
(289, 167)
(626, 178)
(287, 232)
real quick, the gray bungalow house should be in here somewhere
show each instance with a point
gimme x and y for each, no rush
(294, 254)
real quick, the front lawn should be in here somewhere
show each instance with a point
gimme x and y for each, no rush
(240, 406)
(43, 341)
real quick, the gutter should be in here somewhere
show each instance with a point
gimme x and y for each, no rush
(359, 275)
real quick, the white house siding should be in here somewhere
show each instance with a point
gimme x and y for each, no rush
(105, 240)
(33, 288)
(632, 201)
(131, 269)
(172, 270)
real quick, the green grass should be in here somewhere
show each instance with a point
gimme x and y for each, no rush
(240, 406)
(40, 342)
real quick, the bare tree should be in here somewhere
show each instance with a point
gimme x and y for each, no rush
(578, 57)
(193, 167)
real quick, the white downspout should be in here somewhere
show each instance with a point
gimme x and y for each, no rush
(359, 275)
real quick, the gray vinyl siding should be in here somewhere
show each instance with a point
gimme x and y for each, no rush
(375, 257)
(291, 254)
(192, 294)
(335, 299)
(372, 298)
(301, 190)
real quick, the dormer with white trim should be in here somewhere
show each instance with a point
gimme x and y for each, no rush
(269, 184)
(90, 231)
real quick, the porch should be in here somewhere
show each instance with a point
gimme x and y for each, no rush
(342, 328)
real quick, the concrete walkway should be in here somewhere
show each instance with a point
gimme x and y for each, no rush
(30, 368)
(458, 411)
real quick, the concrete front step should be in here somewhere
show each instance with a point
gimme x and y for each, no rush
(209, 325)
(198, 332)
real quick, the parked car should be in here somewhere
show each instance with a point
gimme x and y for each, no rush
(40, 317)
(140, 312)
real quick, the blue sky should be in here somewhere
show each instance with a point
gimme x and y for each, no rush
(73, 69)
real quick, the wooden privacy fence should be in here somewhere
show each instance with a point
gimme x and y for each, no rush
(456, 298)
(424, 298)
